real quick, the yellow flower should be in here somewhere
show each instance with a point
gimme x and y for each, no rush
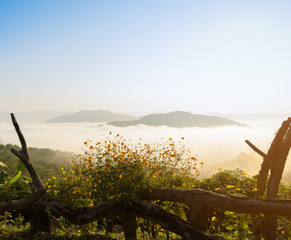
(217, 189)
(184, 184)
(282, 232)
(219, 169)
(254, 190)
(120, 176)
(213, 218)
(154, 175)
(230, 186)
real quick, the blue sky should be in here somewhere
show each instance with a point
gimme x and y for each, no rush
(145, 56)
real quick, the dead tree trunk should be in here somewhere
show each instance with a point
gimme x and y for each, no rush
(40, 217)
(274, 161)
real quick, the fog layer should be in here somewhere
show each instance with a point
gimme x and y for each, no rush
(212, 145)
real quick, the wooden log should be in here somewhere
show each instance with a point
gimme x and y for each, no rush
(113, 208)
(214, 200)
(21, 203)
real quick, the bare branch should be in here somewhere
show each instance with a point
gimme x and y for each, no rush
(252, 146)
(24, 157)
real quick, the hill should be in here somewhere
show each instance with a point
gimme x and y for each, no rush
(45, 161)
(178, 119)
(90, 116)
(250, 163)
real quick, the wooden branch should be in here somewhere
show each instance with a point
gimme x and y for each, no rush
(21, 203)
(114, 208)
(214, 200)
(264, 171)
(252, 146)
(24, 157)
(20, 135)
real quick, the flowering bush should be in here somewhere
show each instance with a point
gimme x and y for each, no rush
(115, 168)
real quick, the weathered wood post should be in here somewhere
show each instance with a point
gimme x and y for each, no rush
(274, 161)
(129, 226)
(198, 216)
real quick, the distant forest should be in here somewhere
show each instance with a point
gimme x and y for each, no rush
(45, 161)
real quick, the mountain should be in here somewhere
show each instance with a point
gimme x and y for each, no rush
(90, 116)
(178, 119)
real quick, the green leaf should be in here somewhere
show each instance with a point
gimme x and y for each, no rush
(14, 179)
(229, 227)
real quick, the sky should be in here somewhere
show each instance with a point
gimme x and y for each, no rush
(145, 56)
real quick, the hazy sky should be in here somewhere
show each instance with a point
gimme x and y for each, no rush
(146, 56)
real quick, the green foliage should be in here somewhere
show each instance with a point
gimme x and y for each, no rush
(13, 187)
(115, 169)
(45, 161)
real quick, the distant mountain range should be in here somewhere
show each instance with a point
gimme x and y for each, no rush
(177, 119)
(91, 116)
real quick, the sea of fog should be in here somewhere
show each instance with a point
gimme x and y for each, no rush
(212, 145)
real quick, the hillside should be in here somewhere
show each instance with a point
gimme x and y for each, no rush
(178, 119)
(45, 161)
(250, 163)
(90, 116)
